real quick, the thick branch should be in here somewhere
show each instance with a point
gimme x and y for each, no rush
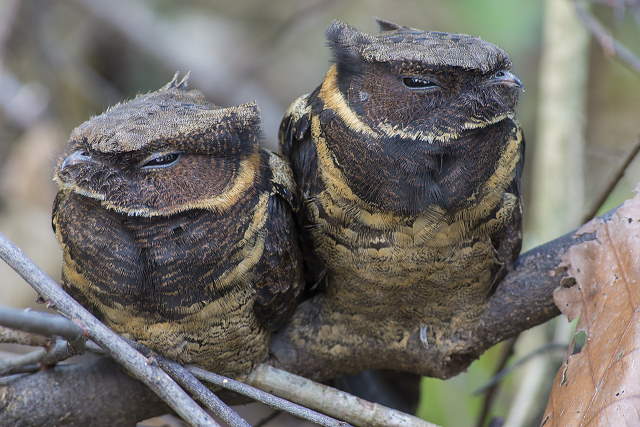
(94, 392)
(523, 300)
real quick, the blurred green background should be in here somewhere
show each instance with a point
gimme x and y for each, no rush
(62, 62)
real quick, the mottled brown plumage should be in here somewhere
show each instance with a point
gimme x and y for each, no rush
(177, 228)
(408, 161)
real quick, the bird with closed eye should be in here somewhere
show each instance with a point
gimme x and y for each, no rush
(408, 160)
(177, 229)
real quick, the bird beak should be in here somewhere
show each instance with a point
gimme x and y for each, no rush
(78, 156)
(509, 79)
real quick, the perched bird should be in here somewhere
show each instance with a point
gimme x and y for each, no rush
(408, 161)
(177, 229)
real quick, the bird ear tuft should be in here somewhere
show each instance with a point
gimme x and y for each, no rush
(241, 125)
(178, 83)
(384, 25)
(345, 42)
(249, 116)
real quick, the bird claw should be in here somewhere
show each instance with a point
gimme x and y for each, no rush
(424, 329)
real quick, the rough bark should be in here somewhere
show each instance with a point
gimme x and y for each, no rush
(97, 392)
(319, 344)
(92, 392)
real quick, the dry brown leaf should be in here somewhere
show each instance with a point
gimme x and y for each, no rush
(600, 385)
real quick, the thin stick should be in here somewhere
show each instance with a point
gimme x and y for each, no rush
(266, 398)
(492, 391)
(329, 400)
(610, 45)
(613, 183)
(190, 383)
(43, 321)
(38, 322)
(7, 366)
(116, 347)
(60, 350)
(506, 371)
(266, 420)
(13, 336)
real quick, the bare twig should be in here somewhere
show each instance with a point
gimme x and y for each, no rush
(613, 183)
(39, 323)
(266, 420)
(180, 374)
(507, 370)
(59, 350)
(36, 328)
(7, 366)
(611, 46)
(329, 400)
(190, 383)
(523, 299)
(492, 390)
(133, 361)
(13, 336)
(264, 397)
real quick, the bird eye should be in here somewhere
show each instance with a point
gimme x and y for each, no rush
(418, 83)
(500, 74)
(161, 160)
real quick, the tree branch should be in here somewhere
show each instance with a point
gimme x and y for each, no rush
(522, 300)
(12, 336)
(154, 377)
(330, 400)
(94, 392)
(50, 355)
(269, 378)
(190, 383)
(611, 46)
(40, 323)
(271, 400)
(319, 344)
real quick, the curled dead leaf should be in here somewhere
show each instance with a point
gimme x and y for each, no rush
(600, 384)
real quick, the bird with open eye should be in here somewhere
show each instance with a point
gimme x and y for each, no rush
(177, 229)
(408, 161)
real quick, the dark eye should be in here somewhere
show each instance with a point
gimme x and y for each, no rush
(418, 83)
(161, 160)
(500, 74)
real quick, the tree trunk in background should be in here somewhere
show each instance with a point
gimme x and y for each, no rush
(557, 202)
(558, 174)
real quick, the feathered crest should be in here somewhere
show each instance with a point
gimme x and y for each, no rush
(173, 113)
(398, 43)
(384, 25)
(178, 83)
(346, 43)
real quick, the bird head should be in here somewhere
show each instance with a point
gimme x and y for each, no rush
(426, 86)
(162, 153)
